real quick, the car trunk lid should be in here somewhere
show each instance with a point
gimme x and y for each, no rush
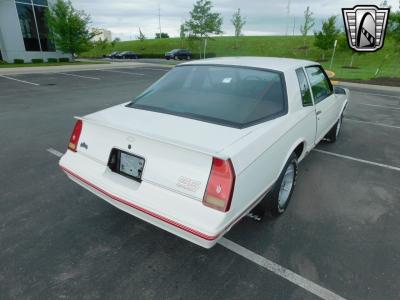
(178, 151)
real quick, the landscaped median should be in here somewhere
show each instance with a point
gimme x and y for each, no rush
(381, 66)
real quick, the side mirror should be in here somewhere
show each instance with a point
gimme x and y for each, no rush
(339, 90)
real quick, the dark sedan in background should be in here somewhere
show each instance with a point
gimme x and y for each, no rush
(178, 54)
(127, 55)
(112, 55)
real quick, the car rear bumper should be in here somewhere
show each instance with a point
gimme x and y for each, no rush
(173, 212)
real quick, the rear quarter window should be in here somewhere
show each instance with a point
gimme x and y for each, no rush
(320, 85)
(305, 90)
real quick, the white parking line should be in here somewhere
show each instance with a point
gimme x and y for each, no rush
(155, 69)
(122, 72)
(380, 106)
(268, 264)
(359, 160)
(75, 75)
(23, 81)
(372, 123)
(55, 152)
(280, 271)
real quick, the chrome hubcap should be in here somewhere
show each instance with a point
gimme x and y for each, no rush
(286, 186)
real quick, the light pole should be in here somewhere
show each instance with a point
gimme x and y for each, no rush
(333, 54)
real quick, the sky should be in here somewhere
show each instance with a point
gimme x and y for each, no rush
(263, 17)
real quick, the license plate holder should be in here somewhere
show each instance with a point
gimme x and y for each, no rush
(126, 164)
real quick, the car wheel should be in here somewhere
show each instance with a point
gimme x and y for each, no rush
(283, 189)
(167, 58)
(334, 132)
(176, 57)
(188, 57)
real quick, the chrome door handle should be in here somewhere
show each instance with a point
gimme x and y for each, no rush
(319, 112)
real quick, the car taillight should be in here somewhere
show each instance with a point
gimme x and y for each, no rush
(76, 133)
(220, 185)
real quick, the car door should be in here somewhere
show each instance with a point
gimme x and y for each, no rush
(324, 100)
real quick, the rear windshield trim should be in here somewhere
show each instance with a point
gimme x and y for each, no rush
(219, 121)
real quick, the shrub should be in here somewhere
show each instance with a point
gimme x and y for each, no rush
(63, 59)
(18, 61)
(52, 60)
(37, 60)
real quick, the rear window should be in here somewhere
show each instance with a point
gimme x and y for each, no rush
(232, 96)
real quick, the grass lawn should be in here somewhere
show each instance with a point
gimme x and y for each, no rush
(365, 64)
(10, 65)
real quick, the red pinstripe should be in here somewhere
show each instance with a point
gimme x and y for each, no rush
(137, 207)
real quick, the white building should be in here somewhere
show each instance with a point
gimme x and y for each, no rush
(23, 31)
(103, 34)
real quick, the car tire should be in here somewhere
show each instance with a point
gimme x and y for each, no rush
(167, 58)
(335, 130)
(176, 57)
(281, 194)
(188, 57)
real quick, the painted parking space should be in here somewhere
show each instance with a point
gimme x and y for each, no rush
(340, 232)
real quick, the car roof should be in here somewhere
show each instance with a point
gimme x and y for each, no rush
(272, 63)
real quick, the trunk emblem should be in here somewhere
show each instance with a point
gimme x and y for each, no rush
(189, 184)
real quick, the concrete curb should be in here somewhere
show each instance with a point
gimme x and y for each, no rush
(370, 86)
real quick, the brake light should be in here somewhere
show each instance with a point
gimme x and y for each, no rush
(220, 185)
(76, 133)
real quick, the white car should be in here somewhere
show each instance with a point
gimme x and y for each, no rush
(201, 147)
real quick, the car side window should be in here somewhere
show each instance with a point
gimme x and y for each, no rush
(304, 88)
(320, 85)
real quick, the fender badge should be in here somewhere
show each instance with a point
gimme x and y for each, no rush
(84, 145)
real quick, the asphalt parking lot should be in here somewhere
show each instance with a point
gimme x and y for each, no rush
(340, 235)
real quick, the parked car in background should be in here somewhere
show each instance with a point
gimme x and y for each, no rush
(127, 55)
(178, 54)
(113, 54)
(208, 142)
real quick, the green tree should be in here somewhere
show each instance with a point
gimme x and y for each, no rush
(203, 22)
(384, 4)
(115, 41)
(394, 34)
(182, 33)
(69, 27)
(394, 27)
(308, 24)
(141, 36)
(325, 38)
(164, 35)
(343, 46)
(238, 22)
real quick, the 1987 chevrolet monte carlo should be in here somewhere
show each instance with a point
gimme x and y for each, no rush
(201, 147)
